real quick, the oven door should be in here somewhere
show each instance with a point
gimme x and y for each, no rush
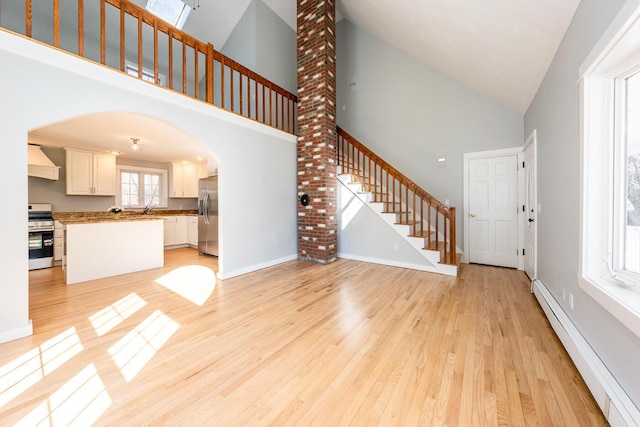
(40, 244)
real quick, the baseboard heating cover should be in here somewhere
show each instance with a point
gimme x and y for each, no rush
(619, 410)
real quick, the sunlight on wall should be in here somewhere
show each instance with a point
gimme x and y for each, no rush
(192, 282)
(351, 208)
(25, 371)
(132, 352)
(110, 317)
(80, 401)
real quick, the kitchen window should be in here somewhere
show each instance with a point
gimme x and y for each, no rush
(609, 268)
(142, 187)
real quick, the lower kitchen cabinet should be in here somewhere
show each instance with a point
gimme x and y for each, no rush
(58, 241)
(193, 230)
(177, 231)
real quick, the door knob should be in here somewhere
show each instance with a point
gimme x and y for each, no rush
(472, 215)
(530, 220)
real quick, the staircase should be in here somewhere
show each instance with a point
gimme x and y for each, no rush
(418, 218)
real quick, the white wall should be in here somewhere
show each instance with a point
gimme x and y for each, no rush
(409, 113)
(555, 113)
(257, 164)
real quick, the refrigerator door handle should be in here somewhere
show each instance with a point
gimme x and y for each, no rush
(206, 208)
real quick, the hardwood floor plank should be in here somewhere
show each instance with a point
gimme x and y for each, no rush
(343, 344)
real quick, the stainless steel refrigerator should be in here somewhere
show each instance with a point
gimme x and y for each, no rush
(208, 216)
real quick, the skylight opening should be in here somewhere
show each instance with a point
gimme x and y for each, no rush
(175, 12)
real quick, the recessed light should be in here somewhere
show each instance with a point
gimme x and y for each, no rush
(184, 162)
(114, 152)
(199, 158)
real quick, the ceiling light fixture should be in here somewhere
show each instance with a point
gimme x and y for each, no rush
(135, 144)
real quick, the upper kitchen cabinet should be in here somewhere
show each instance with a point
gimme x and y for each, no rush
(90, 173)
(183, 179)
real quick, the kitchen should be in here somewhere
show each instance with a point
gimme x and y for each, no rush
(90, 155)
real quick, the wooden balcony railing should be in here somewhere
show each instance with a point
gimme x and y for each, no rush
(428, 217)
(126, 37)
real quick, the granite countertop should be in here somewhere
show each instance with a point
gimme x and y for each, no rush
(93, 217)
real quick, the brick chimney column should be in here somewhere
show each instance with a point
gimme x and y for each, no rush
(317, 221)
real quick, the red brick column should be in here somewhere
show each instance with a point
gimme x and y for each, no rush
(318, 221)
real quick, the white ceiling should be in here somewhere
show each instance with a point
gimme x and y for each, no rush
(501, 48)
(159, 141)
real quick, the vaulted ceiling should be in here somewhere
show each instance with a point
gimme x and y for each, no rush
(501, 48)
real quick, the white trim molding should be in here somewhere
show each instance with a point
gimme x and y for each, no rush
(14, 334)
(615, 404)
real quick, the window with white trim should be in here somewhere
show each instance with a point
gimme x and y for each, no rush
(142, 187)
(610, 184)
(147, 75)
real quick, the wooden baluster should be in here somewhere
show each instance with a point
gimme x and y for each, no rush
(140, 61)
(241, 94)
(155, 52)
(437, 228)
(429, 224)
(282, 98)
(264, 111)
(80, 27)
(196, 51)
(56, 23)
(270, 106)
(184, 66)
(452, 236)
(445, 258)
(419, 231)
(210, 85)
(255, 81)
(122, 39)
(28, 18)
(170, 34)
(222, 81)
(103, 35)
(232, 87)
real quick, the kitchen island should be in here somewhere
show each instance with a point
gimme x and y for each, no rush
(104, 247)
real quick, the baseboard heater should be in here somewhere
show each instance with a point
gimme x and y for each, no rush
(619, 410)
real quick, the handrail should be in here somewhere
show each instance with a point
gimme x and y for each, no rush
(227, 84)
(413, 205)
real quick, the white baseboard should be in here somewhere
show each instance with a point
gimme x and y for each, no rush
(14, 334)
(400, 264)
(240, 271)
(619, 410)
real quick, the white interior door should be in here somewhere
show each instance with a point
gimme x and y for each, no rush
(530, 209)
(493, 211)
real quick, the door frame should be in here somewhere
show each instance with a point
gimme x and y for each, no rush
(467, 157)
(532, 141)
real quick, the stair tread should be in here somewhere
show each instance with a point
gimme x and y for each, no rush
(407, 223)
(422, 234)
(434, 247)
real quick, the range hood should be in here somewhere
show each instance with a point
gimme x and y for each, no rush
(39, 164)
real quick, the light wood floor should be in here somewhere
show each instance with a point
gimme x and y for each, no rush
(298, 344)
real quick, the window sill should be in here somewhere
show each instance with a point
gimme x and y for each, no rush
(623, 303)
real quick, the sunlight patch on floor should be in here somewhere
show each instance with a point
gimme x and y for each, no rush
(110, 317)
(192, 282)
(79, 402)
(133, 351)
(25, 371)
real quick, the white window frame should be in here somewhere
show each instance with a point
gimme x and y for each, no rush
(164, 199)
(147, 74)
(179, 20)
(614, 56)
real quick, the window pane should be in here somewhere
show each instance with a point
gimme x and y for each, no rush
(152, 190)
(130, 189)
(174, 12)
(632, 155)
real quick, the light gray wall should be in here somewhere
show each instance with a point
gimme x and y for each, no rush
(255, 231)
(555, 114)
(409, 113)
(54, 192)
(263, 42)
(241, 43)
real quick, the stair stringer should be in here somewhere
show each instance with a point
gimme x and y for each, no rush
(432, 257)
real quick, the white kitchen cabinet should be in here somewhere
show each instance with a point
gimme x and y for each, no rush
(90, 173)
(58, 241)
(176, 231)
(181, 230)
(169, 230)
(183, 180)
(193, 230)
